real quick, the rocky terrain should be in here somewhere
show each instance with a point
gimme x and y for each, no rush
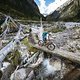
(20, 60)
(21, 55)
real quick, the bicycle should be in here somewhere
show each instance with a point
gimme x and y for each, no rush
(48, 43)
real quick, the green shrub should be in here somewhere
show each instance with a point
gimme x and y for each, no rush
(27, 43)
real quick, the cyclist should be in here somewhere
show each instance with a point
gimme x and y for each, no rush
(45, 36)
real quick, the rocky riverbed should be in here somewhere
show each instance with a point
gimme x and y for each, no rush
(27, 63)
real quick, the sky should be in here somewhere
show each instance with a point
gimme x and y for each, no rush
(48, 6)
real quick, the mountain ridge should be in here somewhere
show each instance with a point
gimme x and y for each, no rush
(22, 8)
(67, 12)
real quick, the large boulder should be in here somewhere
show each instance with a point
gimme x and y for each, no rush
(19, 75)
(6, 71)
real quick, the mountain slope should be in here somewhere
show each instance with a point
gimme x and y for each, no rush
(20, 8)
(70, 11)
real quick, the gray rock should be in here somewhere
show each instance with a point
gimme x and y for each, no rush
(19, 74)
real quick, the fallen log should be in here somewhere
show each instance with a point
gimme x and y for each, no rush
(28, 61)
(74, 57)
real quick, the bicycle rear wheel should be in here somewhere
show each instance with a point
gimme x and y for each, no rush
(40, 43)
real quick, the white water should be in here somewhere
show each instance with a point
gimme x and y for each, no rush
(49, 68)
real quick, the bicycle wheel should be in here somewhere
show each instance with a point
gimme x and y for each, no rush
(40, 43)
(51, 46)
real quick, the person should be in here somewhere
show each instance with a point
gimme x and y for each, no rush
(31, 36)
(45, 36)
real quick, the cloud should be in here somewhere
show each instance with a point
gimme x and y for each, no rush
(51, 7)
(42, 6)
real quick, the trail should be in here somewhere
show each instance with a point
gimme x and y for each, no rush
(74, 57)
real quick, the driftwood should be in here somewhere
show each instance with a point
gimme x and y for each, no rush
(6, 23)
(38, 62)
(30, 76)
(74, 57)
(29, 60)
(30, 72)
(11, 46)
(3, 26)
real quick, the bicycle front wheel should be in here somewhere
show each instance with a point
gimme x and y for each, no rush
(51, 46)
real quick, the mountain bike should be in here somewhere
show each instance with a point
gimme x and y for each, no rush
(48, 43)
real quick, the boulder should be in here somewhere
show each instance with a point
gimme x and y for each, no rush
(19, 74)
